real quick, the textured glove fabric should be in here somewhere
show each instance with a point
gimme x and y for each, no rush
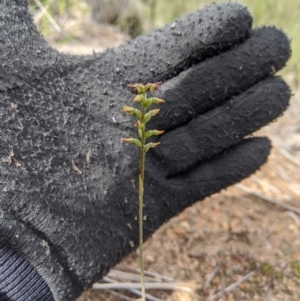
(24, 53)
(18, 279)
(68, 189)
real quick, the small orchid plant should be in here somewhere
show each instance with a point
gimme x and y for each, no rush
(143, 117)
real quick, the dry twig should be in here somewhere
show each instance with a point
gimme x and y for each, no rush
(268, 199)
(230, 288)
(295, 217)
(212, 275)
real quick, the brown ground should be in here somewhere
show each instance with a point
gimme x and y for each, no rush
(217, 242)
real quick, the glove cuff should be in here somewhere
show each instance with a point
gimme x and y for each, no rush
(19, 281)
(45, 259)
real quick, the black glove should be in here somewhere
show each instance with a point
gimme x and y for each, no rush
(67, 200)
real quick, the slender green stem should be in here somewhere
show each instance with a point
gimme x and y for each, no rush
(141, 205)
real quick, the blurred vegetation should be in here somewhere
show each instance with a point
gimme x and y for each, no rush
(123, 13)
(282, 14)
(54, 7)
(143, 15)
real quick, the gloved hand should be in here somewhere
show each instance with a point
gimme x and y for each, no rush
(67, 201)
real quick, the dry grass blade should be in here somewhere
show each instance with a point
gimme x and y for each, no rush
(230, 288)
(212, 275)
(134, 276)
(120, 296)
(291, 182)
(265, 184)
(136, 292)
(119, 280)
(295, 217)
(289, 156)
(181, 286)
(48, 16)
(268, 199)
(151, 275)
(160, 277)
(125, 276)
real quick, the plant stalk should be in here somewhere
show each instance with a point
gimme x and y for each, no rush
(141, 205)
(143, 118)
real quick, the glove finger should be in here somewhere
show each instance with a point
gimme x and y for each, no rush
(231, 166)
(212, 82)
(211, 133)
(164, 53)
(208, 177)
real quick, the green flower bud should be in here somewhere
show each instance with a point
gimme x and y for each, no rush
(149, 134)
(152, 86)
(138, 98)
(153, 133)
(140, 133)
(146, 148)
(147, 117)
(133, 141)
(140, 125)
(150, 145)
(138, 87)
(148, 86)
(157, 132)
(129, 110)
(138, 113)
(157, 100)
(154, 112)
(147, 103)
